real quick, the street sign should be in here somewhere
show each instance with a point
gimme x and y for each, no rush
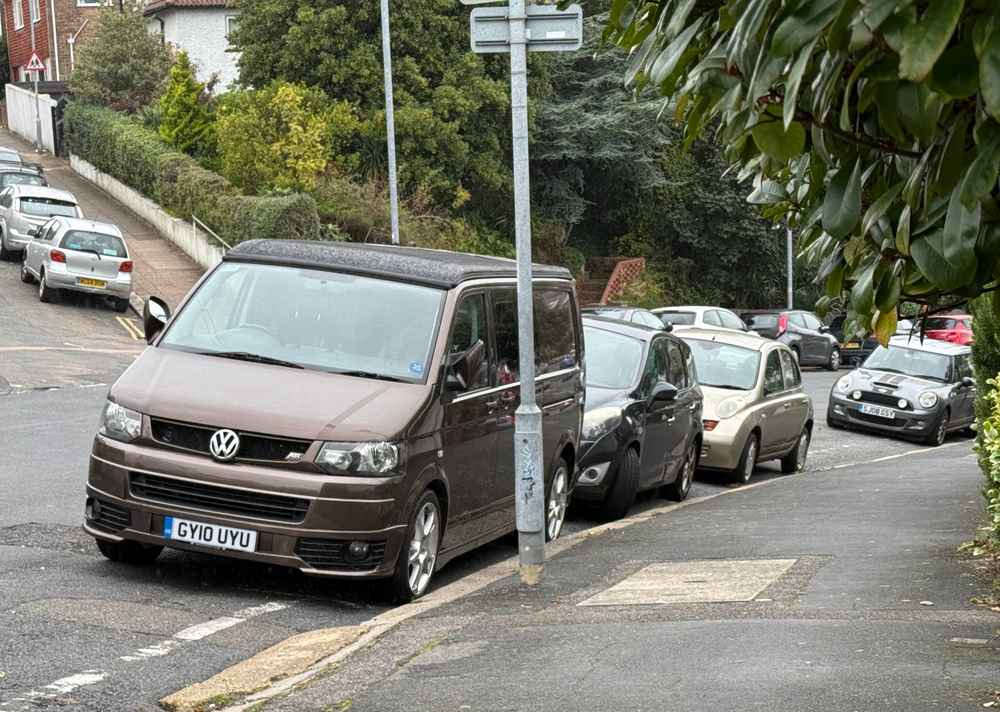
(35, 64)
(548, 29)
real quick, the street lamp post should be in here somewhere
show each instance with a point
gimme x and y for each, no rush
(390, 123)
(789, 248)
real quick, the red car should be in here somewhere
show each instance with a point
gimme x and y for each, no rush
(956, 328)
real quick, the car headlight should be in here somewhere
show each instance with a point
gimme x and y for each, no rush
(844, 384)
(730, 407)
(120, 423)
(928, 399)
(377, 458)
(599, 422)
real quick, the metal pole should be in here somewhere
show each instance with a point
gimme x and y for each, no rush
(390, 123)
(38, 112)
(528, 465)
(791, 268)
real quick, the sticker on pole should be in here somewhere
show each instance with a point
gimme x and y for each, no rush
(35, 64)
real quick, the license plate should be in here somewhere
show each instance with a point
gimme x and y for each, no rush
(878, 411)
(96, 283)
(852, 345)
(211, 535)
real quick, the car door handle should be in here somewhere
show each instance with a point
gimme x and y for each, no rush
(671, 419)
(493, 404)
(786, 406)
(693, 407)
(508, 397)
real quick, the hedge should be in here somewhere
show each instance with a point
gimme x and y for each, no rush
(135, 155)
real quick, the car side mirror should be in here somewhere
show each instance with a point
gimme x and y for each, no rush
(968, 382)
(668, 326)
(33, 232)
(664, 393)
(155, 314)
(824, 329)
(465, 366)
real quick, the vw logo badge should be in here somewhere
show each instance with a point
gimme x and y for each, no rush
(224, 445)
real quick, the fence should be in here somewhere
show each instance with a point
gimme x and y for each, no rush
(625, 271)
(21, 115)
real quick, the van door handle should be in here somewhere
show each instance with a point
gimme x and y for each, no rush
(508, 396)
(787, 406)
(493, 404)
(671, 419)
(693, 407)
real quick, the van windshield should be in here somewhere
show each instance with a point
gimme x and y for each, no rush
(326, 321)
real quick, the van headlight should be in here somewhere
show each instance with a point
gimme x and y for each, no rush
(928, 399)
(379, 458)
(599, 422)
(120, 423)
(844, 384)
(730, 407)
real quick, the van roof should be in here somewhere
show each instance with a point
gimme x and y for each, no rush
(436, 268)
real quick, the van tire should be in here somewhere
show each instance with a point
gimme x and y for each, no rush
(557, 500)
(399, 584)
(623, 490)
(129, 552)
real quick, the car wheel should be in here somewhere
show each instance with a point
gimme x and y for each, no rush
(748, 460)
(121, 305)
(557, 502)
(415, 565)
(46, 294)
(795, 461)
(834, 363)
(679, 489)
(939, 433)
(129, 552)
(623, 490)
(25, 274)
(4, 252)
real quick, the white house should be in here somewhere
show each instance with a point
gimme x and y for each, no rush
(201, 28)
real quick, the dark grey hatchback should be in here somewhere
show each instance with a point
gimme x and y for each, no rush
(911, 389)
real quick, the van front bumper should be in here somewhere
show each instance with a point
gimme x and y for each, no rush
(316, 545)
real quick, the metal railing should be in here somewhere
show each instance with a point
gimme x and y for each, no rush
(624, 272)
(197, 224)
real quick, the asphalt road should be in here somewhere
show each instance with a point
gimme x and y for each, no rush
(64, 610)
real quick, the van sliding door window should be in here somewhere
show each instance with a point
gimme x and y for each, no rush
(470, 329)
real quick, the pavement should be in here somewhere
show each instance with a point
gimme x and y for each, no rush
(161, 269)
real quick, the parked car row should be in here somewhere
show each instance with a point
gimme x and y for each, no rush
(58, 248)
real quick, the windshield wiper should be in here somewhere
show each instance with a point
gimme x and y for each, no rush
(254, 358)
(370, 374)
(726, 386)
(93, 252)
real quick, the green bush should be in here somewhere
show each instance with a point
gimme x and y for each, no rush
(137, 156)
(187, 123)
(988, 449)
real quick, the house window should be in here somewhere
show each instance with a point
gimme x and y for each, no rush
(90, 3)
(18, 13)
(36, 14)
(232, 22)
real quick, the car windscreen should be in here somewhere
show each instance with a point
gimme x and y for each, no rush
(10, 157)
(47, 207)
(725, 366)
(20, 179)
(912, 362)
(677, 318)
(761, 321)
(99, 242)
(320, 320)
(613, 360)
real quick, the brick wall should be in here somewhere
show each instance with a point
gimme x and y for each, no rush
(19, 39)
(68, 19)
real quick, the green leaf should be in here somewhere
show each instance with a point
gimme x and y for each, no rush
(952, 160)
(879, 208)
(780, 145)
(889, 288)
(863, 291)
(989, 75)
(903, 232)
(769, 193)
(981, 177)
(876, 12)
(845, 112)
(842, 205)
(947, 257)
(885, 325)
(794, 82)
(919, 109)
(926, 39)
(835, 282)
(894, 28)
(669, 57)
(956, 74)
(982, 31)
(888, 114)
(803, 25)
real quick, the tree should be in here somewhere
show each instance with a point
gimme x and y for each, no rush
(186, 120)
(451, 105)
(280, 136)
(872, 126)
(4, 61)
(123, 66)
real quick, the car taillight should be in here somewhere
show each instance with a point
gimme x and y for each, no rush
(710, 425)
(57, 256)
(125, 266)
(782, 324)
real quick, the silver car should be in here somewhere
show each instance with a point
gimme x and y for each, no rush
(78, 255)
(24, 208)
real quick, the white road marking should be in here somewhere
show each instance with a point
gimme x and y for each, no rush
(199, 631)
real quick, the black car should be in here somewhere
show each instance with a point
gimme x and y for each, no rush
(853, 349)
(642, 426)
(915, 390)
(633, 315)
(810, 341)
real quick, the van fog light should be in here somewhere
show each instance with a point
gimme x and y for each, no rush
(357, 550)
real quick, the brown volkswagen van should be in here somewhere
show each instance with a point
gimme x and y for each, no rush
(343, 409)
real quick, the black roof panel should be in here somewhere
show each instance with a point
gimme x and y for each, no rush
(437, 268)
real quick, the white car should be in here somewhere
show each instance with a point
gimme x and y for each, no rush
(702, 318)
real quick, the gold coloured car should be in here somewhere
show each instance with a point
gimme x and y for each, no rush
(755, 409)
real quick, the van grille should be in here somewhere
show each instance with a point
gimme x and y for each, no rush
(262, 448)
(331, 554)
(218, 499)
(110, 517)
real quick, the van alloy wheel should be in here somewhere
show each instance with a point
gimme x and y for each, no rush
(423, 550)
(555, 510)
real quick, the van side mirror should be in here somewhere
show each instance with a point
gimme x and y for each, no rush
(464, 367)
(968, 382)
(33, 232)
(155, 314)
(664, 393)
